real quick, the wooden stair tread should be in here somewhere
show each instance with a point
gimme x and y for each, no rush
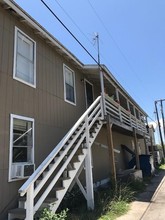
(59, 188)
(17, 210)
(50, 200)
(64, 178)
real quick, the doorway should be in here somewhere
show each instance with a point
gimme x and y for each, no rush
(88, 93)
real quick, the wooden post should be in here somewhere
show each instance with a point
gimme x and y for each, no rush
(110, 147)
(102, 92)
(145, 144)
(136, 149)
(152, 150)
(88, 171)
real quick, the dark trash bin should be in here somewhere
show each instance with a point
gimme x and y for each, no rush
(145, 164)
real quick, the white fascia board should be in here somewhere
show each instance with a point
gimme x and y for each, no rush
(40, 29)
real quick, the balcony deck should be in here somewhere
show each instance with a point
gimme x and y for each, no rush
(122, 119)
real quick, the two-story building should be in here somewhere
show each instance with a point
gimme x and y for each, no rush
(61, 121)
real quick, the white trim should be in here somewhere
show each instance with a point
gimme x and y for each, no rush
(74, 81)
(15, 53)
(13, 116)
(86, 81)
(41, 31)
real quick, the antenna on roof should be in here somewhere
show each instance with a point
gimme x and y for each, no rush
(96, 39)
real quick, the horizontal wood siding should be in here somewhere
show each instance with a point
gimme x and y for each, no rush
(45, 103)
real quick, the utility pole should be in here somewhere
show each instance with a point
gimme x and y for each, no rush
(161, 104)
(160, 132)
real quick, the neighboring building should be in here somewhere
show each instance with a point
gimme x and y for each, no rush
(151, 133)
(52, 104)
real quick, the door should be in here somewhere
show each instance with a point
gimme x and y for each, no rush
(88, 93)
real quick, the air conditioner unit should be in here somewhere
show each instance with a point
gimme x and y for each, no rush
(23, 170)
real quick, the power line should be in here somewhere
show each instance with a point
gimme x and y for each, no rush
(73, 21)
(79, 30)
(121, 52)
(70, 32)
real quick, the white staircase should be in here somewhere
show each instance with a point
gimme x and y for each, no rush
(51, 180)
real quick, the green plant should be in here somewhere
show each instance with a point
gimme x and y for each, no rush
(116, 209)
(73, 199)
(47, 214)
(120, 194)
(162, 166)
(138, 185)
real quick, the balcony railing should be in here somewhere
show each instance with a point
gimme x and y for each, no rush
(117, 112)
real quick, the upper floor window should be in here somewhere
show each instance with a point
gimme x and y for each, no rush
(69, 85)
(24, 58)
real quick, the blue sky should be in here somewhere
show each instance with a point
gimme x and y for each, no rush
(132, 39)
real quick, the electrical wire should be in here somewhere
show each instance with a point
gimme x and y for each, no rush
(70, 32)
(108, 32)
(82, 32)
(121, 52)
(73, 21)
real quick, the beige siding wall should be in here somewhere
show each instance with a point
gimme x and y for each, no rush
(100, 154)
(45, 103)
(123, 157)
(101, 159)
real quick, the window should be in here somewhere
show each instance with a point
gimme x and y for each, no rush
(21, 143)
(69, 85)
(24, 58)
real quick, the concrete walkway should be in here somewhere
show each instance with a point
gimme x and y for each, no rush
(149, 205)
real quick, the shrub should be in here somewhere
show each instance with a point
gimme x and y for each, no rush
(47, 214)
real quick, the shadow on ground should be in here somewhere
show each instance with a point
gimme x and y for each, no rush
(151, 188)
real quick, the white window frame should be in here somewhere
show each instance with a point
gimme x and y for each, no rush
(15, 58)
(12, 117)
(64, 68)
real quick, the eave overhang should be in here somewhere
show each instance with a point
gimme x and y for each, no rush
(39, 30)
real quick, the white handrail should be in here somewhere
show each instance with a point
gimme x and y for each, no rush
(121, 114)
(91, 115)
(56, 150)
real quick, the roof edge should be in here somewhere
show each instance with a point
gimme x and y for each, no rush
(43, 32)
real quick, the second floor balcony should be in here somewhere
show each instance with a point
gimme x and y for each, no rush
(124, 112)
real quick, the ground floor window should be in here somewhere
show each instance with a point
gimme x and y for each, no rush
(21, 164)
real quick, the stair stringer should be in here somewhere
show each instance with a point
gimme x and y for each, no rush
(84, 130)
(73, 173)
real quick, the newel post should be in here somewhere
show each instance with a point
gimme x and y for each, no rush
(88, 170)
(30, 202)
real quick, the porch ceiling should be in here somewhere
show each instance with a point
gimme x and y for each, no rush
(92, 76)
